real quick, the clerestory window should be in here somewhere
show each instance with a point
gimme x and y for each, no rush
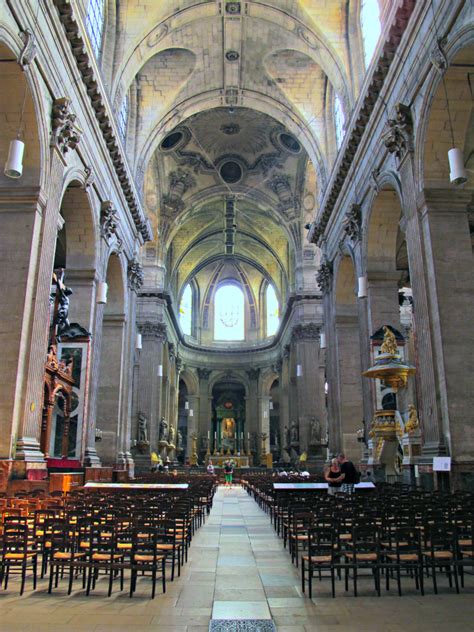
(273, 311)
(229, 313)
(339, 120)
(370, 27)
(186, 310)
(95, 24)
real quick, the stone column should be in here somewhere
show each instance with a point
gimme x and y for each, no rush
(149, 380)
(205, 406)
(399, 141)
(450, 285)
(264, 413)
(383, 305)
(22, 225)
(309, 385)
(284, 396)
(349, 380)
(193, 423)
(109, 408)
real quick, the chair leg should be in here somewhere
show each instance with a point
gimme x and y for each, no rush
(23, 577)
(302, 576)
(35, 572)
(71, 576)
(163, 575)
(51, 575)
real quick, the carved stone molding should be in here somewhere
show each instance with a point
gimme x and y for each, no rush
(279, 183)
(354, 136)
(92, 85)
(180, 182)
(305, 331)
(438, 56)
(286, 352)
(324, 277)
(28, 52)
(109, 220)
(398, 138)
(66, 133)
(374, 180)
(135, 275)
(253, 374)
(352, 222)
(204, 374)
(178, 363)
(171, 350)
(153, 330)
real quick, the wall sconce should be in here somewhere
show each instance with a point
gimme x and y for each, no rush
(322, 340)
(191, 412)
(138, 341)
(14, 163)
(299, 370)
(102, 289)
(270, 405)
(186, 405)
(362, 291)
(160, 370)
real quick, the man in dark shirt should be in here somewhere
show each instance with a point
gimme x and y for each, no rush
(350, 474)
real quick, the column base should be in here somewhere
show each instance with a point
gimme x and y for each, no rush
(431, 449)
(91, 458)
(28, 449)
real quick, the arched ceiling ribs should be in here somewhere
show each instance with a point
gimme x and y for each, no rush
(222, 257)
(214, 233)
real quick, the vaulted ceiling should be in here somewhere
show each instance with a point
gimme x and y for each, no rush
(234, 136)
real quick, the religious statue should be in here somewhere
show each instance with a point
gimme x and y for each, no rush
(228, 428)
(62, 315)
(413, 422)
(389, 344)
(287, 435)
(142, 428)
(315, 437)
(294, 433)
(163, 436)
(179, 440)
(171, 435)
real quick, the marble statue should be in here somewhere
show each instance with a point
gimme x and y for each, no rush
(287, 436)
(179, 439)
(142, 428)
(294, 433)
(171, 435)
(163, 430)
(389, 344)
(315, 437)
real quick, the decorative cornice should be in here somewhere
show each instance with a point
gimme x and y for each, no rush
(438, 56)
(253, 374)
(305, 331)
(135, 275)
(204, 374)
(153, 330)
(391, 43)
(398, 138)
(99, 104)
(324, 277)
(66, 134)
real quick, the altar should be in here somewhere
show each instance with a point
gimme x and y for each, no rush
(219, 460)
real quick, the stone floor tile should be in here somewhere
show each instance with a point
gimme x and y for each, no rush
(240, 610)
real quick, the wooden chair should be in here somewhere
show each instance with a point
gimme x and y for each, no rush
(322, 555)
(403, 552)
(441, 554)
(146, 557)
(17, 553)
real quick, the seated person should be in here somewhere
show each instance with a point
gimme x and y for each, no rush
(210, 468)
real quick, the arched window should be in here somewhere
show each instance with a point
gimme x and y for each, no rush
(229, 313)
(186, 310)
(95, 24)
(273, 311)
(123, 118)
(371, 28)
(339, 120)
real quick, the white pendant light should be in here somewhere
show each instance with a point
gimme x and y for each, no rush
(457, 173)
(191, 412)
(102, 289)
(322, 340)
(186, 405)
(138, 341)
(299, 370)
(14, 163)
(362, 290)
(160, 370)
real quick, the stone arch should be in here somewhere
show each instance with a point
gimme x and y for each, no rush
(433, 136)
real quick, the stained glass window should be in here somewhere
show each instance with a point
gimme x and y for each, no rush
(273, 311)
(186, 310)
(95, 24)
(339, 120)
(123, 118)
(371, 28)
(229, 315)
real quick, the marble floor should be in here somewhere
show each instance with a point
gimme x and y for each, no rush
(237, 569)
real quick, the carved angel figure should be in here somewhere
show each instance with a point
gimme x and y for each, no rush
(413, 422)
